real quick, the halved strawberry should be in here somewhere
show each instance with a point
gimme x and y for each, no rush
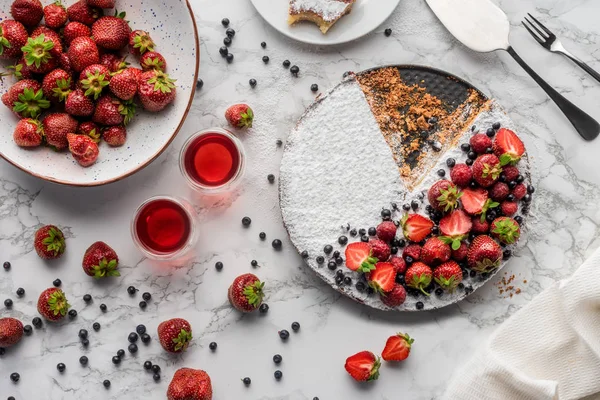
(359, 257)
(473, 200)
(363, 366)
(508, 147)
(455, 227)
(416, 227)
(397, 347)
(383, 277)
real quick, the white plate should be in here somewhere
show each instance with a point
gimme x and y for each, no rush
(149, 134)
(365, 17)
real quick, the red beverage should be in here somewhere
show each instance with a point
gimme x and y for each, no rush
(163, 226)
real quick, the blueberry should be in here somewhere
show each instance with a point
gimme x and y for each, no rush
(360, 286)
(451, 162)
(83, 360)
(295, 70)
(406, 207)
(347, 280)
(156, 368)
(277, 359)
(489, 150)
(472, 155)
(439, 291)
(435, 230)
(332, 265)
(227, 41)
(419, 305)
(265, 59)
(387, 32)
(199, 84)
(512, 184)
(473, 184)
(510, 197)
(229, 57)
(219, 265)
(496, 125)
(364, 238)
(469, 162)
(263, 44)
(527, 198)
(87, 298)
(466, 147)
(414, 205)
(27, 329)
(83, 334)
(473, 273)
(264, 308)
(441, 173)
(314, 87)
(147, 365)
(131, 290)
(507, 254)
(362, 232)
(262, 236)
(276, 244)
(212, 346)
(247, 381)
(394, 250)
(520, 179)
(230, 32)
(436, 146)
(284, 334)
(140, 329)
(116, 360)
(339, 272)
(132, 348)
(37, 322)
(156, 377)
(320, 260)
(96, 326)
(343, 240)
(6, 265)
(252, 82)
(8, 303)
(328, 249)
(473, 128)
(386, 214)
(145, 338)
(61, 367)
(72, 314)
(271, 178)
(278, 375)
(254, 263)
(223, 51)
(304, 254)
(490, 132)
(286, 63)
(57, 282)
(530, 189)
(106, 383)
(15, 377)
(225, 22)
(519, 219)
(399, 279)
(409, 259)
(103, 307)
(2, 351)
(372, 231)
(133, 337)
(295, 326)
(20, 292)
(401, 243)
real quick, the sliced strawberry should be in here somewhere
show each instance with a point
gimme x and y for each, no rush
(358, 257)
(455, 226)
(416, 227)
(383, 277)
(508, 147)
(363, 366)
(397, 347)
(473, 200)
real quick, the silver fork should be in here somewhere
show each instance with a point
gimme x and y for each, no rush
(548, 40)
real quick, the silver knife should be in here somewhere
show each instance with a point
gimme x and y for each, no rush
(483, 27)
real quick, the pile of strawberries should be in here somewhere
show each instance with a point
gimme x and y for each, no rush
(470, 219)
(72, 68)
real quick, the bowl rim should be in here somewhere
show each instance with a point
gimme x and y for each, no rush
(154, 156)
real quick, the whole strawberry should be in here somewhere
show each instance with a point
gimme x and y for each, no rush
(78, 104)
(398, 263)
(480, 143)
(49, 242)
(156, 90)
(151, 60)
(51, 35)
(55, 15)
(82, 12)
(113, 62)
(363, 366)
(486, 170)
(175, 335)
(39, 55)
(13, 36)
(28, 133)
(113, 111)
(418, 276)
(115, 136)
(240, 116)
(448, 275)
(93, 79)
(460, 254)
(380, 249)
(52, 304)
(386, 231)
(101, 3)
(519, 191)
(90, 129)
(479, 226)
(26, 99)
(484, 254)
(100, 261)
(499, 191)
(397, 347)
(27, 12)
(506, 230)
(11, 331)
(83, 52)
(57, 85)
(509, 208)
(111, 33)
(140, 42)
(124, 83)
(83, 149)
(443, 195)
(246, 293)
(74, 30)
(435, 251)
(394, 298)
(461, 175)
(190, 384)
(56, 128)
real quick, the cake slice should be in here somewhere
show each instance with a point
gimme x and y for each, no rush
(324, 13)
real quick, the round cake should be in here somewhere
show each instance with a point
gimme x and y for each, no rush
(405, 188)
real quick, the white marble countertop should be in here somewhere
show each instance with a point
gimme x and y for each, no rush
(563, 232)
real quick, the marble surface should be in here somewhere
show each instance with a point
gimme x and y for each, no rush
(563, 232)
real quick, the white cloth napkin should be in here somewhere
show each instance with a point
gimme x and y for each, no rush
(550, 349)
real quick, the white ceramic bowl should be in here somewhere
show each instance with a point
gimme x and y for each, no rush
(149, 134)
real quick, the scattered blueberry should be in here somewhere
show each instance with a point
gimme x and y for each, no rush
(507, 254)
(496, 125)
(131, 290)
(314, 87)
(295, 70)
(147, 365)
(156, 368)
(364, 238)
(225, 22)
(320, 260)
(328, 249)
(247, 381)
(295, 326)
(6, 265)
(519, 219)
(439, 291)
(132, 348)
(20, 292)
(520, 179)
(360, 286)
(469, 162)
(72, 314)
(146, 296)
(252, 82)
(116, 360)
(530, 189)
(265, 59)
(133, 337)
(199, 84)
(224, 51)
(212, 346)
(254, 263)
(262, 236)
(27, 329)
(347, 280)
(140, 329)
(339, 260)
(372, 231)
(490, 132)
(219, 265)
(83, 333)
(271, 178)
(510, 197)
(61, 367)
(451, 162)
(343, 240)
(83, 360)
(304, 254)
(263, 45)
(229, 57)
(156, 377)
(441, 173)
(103, 307)
(332, 265)
(362, 232)
(106, 383)
(276, 244)
(414, 205)
(8, 303)
(87, 298)
(286, 63)
(2, 351)
(15, 377)
(230, 32)
(387, 32)
(246, 221)
(277, 359)
(419, 305)
(284, 334)
(264, 308)
(227, 41)
(37, 322)
(472, 155)
(466, 147)
(278, 375)
(57, 282)
(145, 338)
(96, 326)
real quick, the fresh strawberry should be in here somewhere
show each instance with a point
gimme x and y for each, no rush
(380, 249)
(111, 33)
(19, 70)
(397, 347)
(53, 36)
(508, 147)
(93, 79)
(57, 85)
(240, 116)
(56, 128)
(436, 251)
(55, 15)
(413, 251)
(175, 335)
(448, 275)
(82, 12)
(499, 191)
(484, 254)
(383, 277)
(52, 304)
(398, 263)
(13, 36)
(27, 12)
(443, 195)
(39, 55)
(396, 296)
(74, 30)
(519, 191)
(510, 172)
(509, 208)
(506, 230)
(64, 63)
(26, 99)
(359, 257)
(83, 52)
(101, 3)
(90, 129)
(152, 60)
(11, 331)
(189, 384)
(416, 227)
(100, 261)
(49, 242)
(246, 293)
(461, 175)
(386, 231)
(124, 83)
(78, 104)
(83, 149)
(114, 62)
(140, 42)
(156, 90)
(486, 170)
(480, 142)
(480, 226)
(115, 136)
(460, 254)
(363, 366)
(455, 227)
(112, 111)
(28, 133)
(473, 200)
(418, 276)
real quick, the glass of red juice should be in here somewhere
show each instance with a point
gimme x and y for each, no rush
(164, 227)
(212, 161)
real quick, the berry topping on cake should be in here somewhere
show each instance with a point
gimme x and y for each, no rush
(395, 297)
(510, 173)
(460, 254)
(455, 227)
(505, 229)
(443, 195)
(499, 191)
(479, 226)
(383, 277)
(484, 254)
(386, 231)
(448, 275)
(397, 347)
(486, 170)
(418, 276)
(519, 191)
(480, 142)
(398, 263)
(509, 208)
(473, 200)
(416, 227)
(508, 147)
(435, 251)
(380, 249)
(359, 257)
(461, 175)
(363, 366)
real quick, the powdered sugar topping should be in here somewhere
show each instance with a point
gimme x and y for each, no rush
(329, 10)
